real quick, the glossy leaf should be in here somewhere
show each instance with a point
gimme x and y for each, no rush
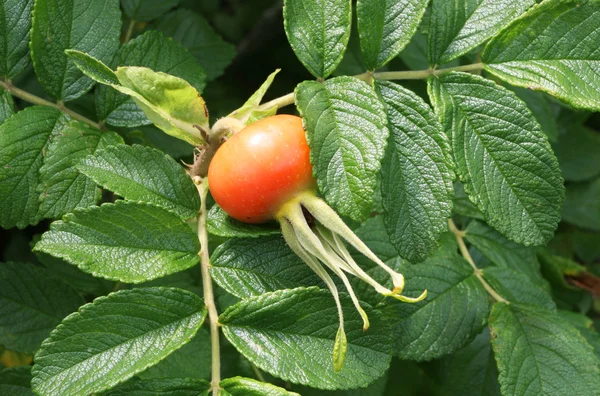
(458, 27)
(157, 52)
(290, 334)
(62, 188)
(455, 310)
(139, 328)
(386, 27)
(91, 26)
(543, 108)
(31, 305)
(143, 174)
(15, 381)
(503, 158)
(220, 223)
(195, 33)
(24, 139)
(552, 49)
(240, 386)
(253, 266)
(15, 24)
(416, 176)
(147, 10)
(160, 386)
(318, 32)
(126, 241)
(539, 353)
(346, 131)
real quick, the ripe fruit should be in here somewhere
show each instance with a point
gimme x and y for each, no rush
(262, 173)
(260, 168)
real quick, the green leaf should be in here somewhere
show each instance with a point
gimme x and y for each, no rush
(582, 206)
(290, 334)
(585, 326)
(253, 266)
(23, 141)
(157, 52)
(557, 267)
(31, 305)
(318, 32)
(147, 10)
(92, 67)
(346, 131)
(504, 253)
(221, 224)
(240, 386)
(578, 152)
(518, 287)
(91, 26)
(543, 110)
(7, 105)
(115, 337)
(551, 49)
(460, 26)
(193, 360)
(195, 33)
(385, 28)
(416, 177)
(462, 205)
(455, 310)
(249, 111)
(15, 24)
(160, 386)
(62, 187)
(503, 158)
(143, 174)
(16, 381)
(126, 241)
(169, 102)
(469, 371)
(539, 353)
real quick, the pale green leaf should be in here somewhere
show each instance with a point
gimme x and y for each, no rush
(126, 241)
(454, 311)
(253, 266)
(318, 32)
(290, 334)
(539, 353)
(115, 337)
(143, 174)
(582, 206)
(147, 10)
(346, 131)
(157, 52)
(91, 26)
(92, 67)
(240, 386)
(24, 140)
(552, 48)
(456, 27)
(416, 176)
(197, 35)
(160, 386)
(220, 223)
(62, 188)
(15, 24)
(7, 105)
(31, 305)
(503, 158)
(15, 381)
(249, 111)
(386, 27)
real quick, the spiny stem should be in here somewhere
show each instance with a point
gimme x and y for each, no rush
(288, 99)
(209, 298)
(465, 253)
(26, 96)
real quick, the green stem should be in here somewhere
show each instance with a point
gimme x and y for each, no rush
(26, 96)
(465, 253)
(129, 32)
(209, 298)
